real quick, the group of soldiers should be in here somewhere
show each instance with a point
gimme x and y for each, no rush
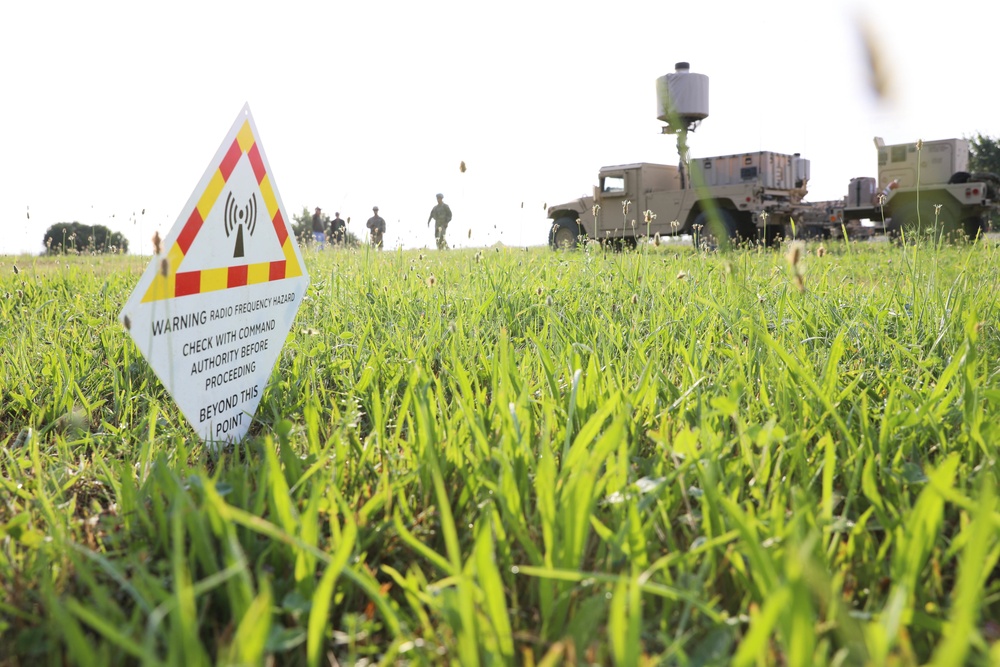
(337, 228)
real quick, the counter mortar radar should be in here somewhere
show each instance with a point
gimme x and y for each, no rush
(682, 103)
(681, 99)
(742, 197)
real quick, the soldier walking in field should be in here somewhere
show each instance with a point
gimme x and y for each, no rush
(441, 214)
(338, 230)
(377, 226)
(319, 228)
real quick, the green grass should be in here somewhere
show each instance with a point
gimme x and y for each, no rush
(541, 458)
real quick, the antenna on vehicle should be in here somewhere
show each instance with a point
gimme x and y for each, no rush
(682, 103)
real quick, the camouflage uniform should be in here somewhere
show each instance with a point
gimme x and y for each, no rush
(377, 226)
(441, 214)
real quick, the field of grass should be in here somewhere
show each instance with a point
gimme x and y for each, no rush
(517, 456)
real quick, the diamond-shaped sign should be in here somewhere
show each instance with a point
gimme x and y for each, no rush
(212, 310)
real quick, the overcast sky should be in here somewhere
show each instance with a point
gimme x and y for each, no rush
(111, 111)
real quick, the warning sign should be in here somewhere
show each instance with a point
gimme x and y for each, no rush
(212, 310)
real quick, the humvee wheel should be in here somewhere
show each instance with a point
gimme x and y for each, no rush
(772, 236)
(974, 227)
(564, 235)
(714, 231)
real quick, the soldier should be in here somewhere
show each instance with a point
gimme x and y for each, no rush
(441, 214)
(319, 227)
(377, 226)
(338, 230)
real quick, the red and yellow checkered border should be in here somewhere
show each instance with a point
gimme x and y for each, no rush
(184, 283)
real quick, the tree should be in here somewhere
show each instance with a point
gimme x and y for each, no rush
(65, 237)
(302, 226)
(984, 154)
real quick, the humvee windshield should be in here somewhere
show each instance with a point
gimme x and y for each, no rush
(613, 184)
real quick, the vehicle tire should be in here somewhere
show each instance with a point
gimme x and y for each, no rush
(820, 233)
(974, 227)
(714, 231)
(565, 234)
(746, 227)
(773, 235)
(923, 220)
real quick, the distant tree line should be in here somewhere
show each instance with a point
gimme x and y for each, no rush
(76, 237)
(984, 157)
(984, 154)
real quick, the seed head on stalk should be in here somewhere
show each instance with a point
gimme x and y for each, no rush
(156, 243)
(796, 250)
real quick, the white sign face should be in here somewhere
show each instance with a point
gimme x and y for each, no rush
(212, 310)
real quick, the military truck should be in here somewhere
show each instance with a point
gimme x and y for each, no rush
(924, 186)
(748, 197)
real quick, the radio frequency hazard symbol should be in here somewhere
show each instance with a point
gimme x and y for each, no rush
(212, 310)
(240, 176)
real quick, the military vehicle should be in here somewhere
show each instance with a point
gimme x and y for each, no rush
(735, 197)
(755, 197)
(718, 200)
(924, 186)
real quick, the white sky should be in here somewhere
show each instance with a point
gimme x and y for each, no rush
(112, 108)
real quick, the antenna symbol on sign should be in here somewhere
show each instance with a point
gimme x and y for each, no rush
(238, 217)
